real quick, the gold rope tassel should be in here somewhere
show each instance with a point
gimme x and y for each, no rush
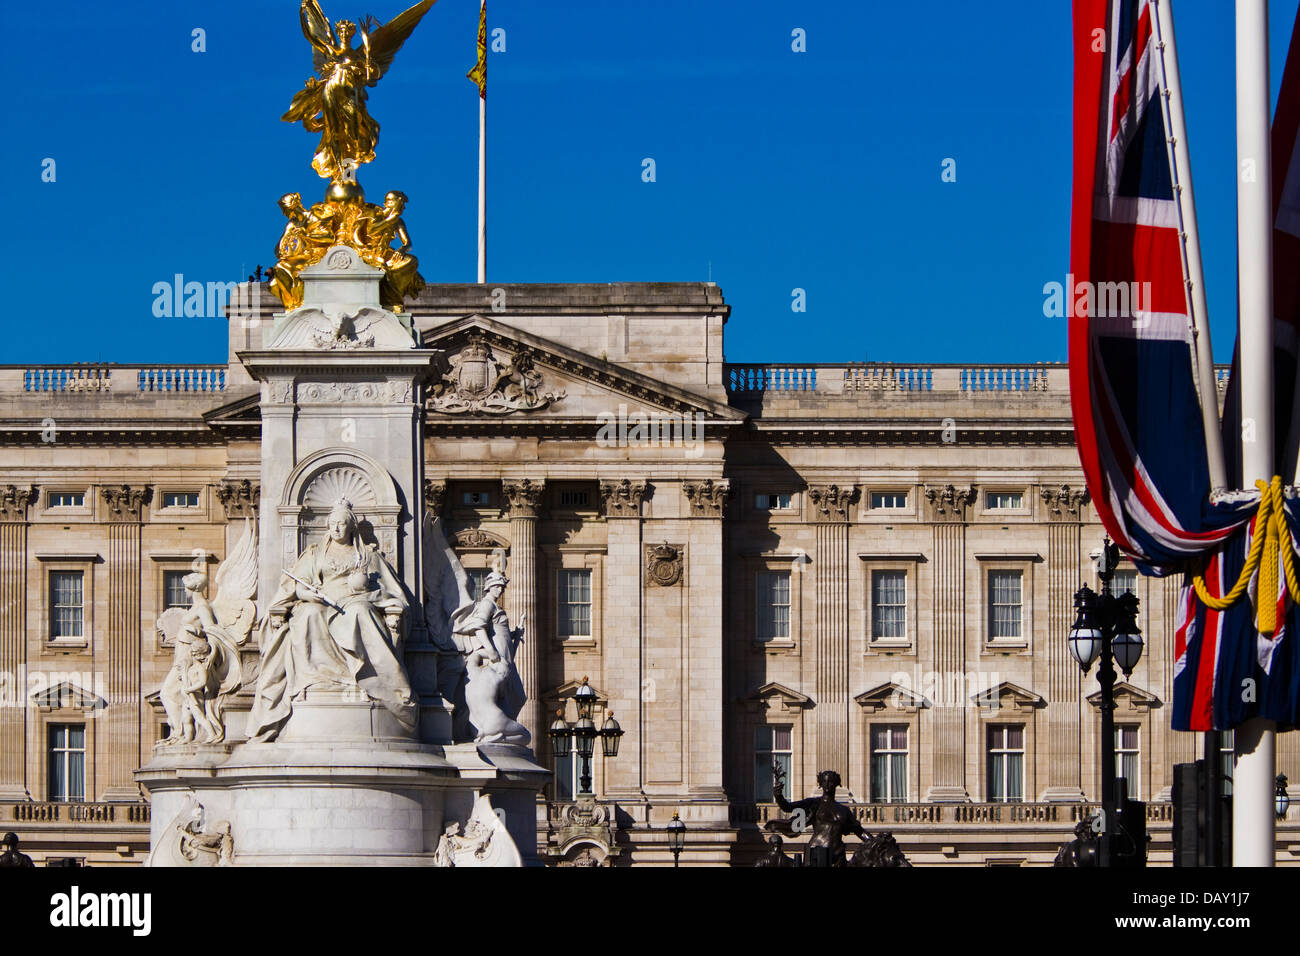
(1265, 548)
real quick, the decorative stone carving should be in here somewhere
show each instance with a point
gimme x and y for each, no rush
(435, 497)
(585, 835)
(241, 499)
(206, 667)
(14, 500)
(485, 842)
(188, 842)
(479, 382)
(126, 503)
(622, 499)
(707, 498)
(664, 565)
(524, 497)
(472, 539)
(370, 393)
(949, 503)
(832, 502)
(1064, 503)
(278, 392)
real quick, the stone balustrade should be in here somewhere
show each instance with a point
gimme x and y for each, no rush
(29, 812)
(885, 815)
(894, 378)
(95, 379)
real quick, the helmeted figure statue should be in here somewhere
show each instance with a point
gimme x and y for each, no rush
(11, 857)
(494, 692)
(336, 620)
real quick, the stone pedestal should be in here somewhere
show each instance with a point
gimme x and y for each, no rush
(342, 787)
(343, 782)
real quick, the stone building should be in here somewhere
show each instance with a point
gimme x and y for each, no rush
(863, 567)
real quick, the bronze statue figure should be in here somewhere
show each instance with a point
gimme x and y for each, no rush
(831, 821)
(11, 856)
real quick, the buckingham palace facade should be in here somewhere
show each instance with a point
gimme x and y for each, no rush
(860, 567)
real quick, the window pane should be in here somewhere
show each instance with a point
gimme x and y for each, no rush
(66, 603)
(477, 576)
(1004, 604)
(1124, 582)
(898, 778)
(1015, 777)
(763, 738)
(575, 603)
(888, 604)
(879, 779)
(174, 588)
(780, 738)
(1015, 738)
(773, 605)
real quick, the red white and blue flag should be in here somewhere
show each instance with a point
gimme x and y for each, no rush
(1136, 407)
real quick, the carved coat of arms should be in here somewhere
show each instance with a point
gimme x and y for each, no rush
(479, 382)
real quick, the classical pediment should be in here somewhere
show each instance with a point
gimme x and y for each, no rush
(498, 371)
(1128, 697)
(1009, 695)
(66, 695)
(892, 696)
(774, 695)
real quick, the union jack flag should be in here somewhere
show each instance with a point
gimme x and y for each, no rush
(1136, 408)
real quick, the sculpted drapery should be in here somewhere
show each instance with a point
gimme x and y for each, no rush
(339, 624)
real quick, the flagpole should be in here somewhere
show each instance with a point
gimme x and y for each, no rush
(1194, 271)
(1253, 838)
(482, 189)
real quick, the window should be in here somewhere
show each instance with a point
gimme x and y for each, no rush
(476, 499)
(66, 604)
(180, 499)
(1006, 764)
(888, 605)
(773, 744)
(1227, 758)
(1005, 500)
(574, 499)
(67, 499)
(773, 502)
(774, 605)
(1127, 753)
(174, 589)
(67, 763)
(888, 763)
(888, 499)
(1005, 605)
(477, 578)
(575, 604)
(568, 776)
(1124, 582)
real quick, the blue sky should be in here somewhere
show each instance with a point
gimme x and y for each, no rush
(775, 170)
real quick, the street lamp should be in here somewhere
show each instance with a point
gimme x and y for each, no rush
(1105, 626)
(583, 733)
(1281, 799)
(676, 837)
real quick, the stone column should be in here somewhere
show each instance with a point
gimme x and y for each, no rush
(830, 507)
(620, 659)
(13, 638)
(121, 743)
(702, 572)
(525, 498)
(949, 509)
(1064, 507)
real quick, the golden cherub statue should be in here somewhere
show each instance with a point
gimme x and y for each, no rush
(335, 106)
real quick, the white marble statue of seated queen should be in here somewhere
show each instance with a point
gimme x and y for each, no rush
(339, 623)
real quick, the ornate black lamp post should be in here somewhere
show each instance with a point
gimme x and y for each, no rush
(1281, 799)
(583, 733)
(1106, 626)
(676, 837)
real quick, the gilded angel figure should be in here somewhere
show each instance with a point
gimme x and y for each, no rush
(333, 103)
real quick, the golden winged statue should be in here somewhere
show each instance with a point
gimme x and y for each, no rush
(335, 104)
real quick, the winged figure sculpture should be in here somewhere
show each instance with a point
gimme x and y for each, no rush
(333, 102)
